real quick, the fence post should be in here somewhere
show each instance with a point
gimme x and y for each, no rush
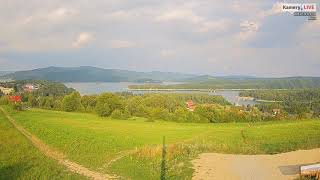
(163, 161)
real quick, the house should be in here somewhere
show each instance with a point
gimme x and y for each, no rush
(275, 111)
(30, 87)
(14, 99)
(190, 105)
(5, 90)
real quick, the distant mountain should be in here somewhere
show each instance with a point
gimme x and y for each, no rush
(94, 74)
(2, 73)
(237, 77)
(201, 78)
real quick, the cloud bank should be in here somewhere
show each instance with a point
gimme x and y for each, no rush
(206, 37)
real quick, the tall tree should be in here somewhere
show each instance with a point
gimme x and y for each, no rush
(72, 102)
(107, 103)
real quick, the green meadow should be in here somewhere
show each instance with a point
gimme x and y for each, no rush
(20, 160)
(134, 146)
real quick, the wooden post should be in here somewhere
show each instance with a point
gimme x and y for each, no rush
(163, 161)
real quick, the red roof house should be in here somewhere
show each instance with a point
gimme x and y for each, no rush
(15, 99)
(190, 105)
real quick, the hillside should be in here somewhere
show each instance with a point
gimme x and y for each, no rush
(2, 73)
(93, 74)
(245, 83)
(132, 148)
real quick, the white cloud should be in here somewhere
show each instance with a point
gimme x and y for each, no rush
(217, 26)
(119, 44)
(60, 14)
(249, 26)
(179, 14)
(248, 30)
(49, 16)
(276, 9)
(83, 39)
(200, 23)
(167, 53)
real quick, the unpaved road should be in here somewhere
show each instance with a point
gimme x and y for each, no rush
(58, 156)
(253, 167)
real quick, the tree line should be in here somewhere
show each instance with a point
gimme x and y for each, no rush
(169, 107)
(301, 102)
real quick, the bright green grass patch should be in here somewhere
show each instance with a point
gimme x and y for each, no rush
(93, 141)
(20, 160)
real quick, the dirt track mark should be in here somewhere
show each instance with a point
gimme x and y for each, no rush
(120, 155)
(58, 156)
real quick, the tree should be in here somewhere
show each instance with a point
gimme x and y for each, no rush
(107, 103)
(136, 107)
(181, 114)
(72, 102)
(89, 102)
(32, 101)
(206, 113)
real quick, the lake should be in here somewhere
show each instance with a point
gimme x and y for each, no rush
(100, 87)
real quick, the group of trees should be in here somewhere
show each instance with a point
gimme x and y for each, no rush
(240, 83)
(170, 107)
(299, 102)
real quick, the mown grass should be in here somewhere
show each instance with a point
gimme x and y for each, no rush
(93, 141)
(20, 160)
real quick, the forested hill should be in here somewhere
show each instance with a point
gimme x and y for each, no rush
(93, 74)
(246, 83)
(5, 72)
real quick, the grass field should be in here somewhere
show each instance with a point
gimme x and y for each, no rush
(93, 141)
(20, 160)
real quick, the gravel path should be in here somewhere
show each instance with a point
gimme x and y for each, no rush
(256, 167)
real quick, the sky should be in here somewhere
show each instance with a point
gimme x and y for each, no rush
(216, 37)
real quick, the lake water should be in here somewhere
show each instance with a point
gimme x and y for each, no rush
(97, 88)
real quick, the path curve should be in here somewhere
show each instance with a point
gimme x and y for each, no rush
(58, 156)
(259, 167)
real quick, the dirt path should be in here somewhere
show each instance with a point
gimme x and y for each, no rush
(246, 167)
(46, 150)
(120, 155)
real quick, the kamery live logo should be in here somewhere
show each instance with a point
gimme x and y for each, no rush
(303, 9)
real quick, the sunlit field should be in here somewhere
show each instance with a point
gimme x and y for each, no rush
(132, 148)
(20, 160)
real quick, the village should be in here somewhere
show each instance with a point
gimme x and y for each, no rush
(13, 90)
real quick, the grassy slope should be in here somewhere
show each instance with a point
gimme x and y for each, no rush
(93, 141)
(20, 160)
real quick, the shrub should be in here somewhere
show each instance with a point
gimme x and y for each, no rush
(119, 114)
(17, 106)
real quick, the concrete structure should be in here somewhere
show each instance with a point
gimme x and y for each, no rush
(6, 91)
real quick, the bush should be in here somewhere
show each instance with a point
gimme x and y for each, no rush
(119, 114)
(17, 106)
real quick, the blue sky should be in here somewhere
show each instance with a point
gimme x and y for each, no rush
(217, 37)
